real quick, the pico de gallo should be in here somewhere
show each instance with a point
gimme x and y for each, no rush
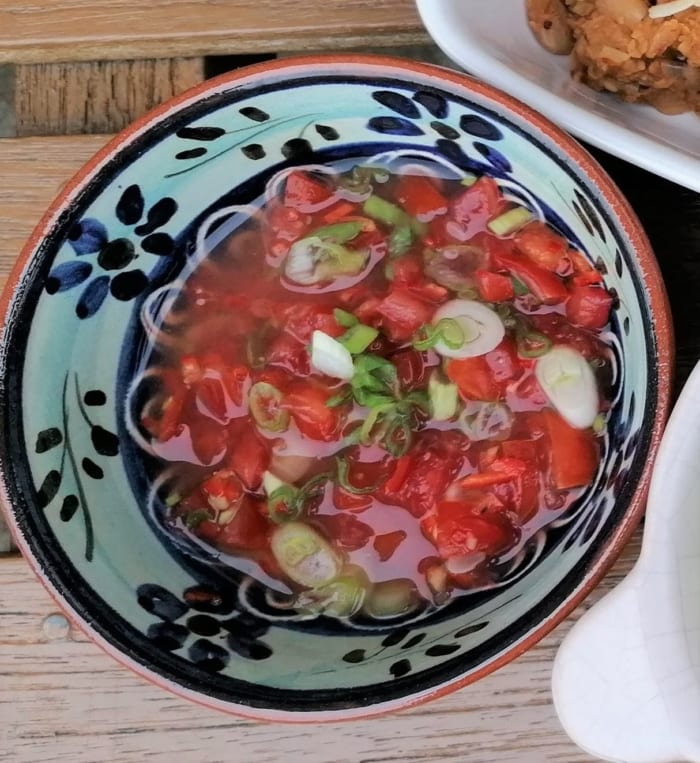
(379, 387)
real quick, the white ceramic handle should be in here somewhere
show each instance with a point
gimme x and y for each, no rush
(626, 680)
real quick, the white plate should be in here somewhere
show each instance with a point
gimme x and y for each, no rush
(491, 40)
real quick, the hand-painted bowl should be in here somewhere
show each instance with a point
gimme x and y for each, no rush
(74, 486)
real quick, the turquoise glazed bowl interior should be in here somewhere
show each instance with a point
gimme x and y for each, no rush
(77, 485)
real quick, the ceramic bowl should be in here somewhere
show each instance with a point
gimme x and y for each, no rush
(74, 482)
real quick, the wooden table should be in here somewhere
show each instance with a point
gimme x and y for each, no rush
(91, 66)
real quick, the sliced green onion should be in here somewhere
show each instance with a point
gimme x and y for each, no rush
(340, 233)
(468, 180)
(446, 330)
(193, 519)
(304, 555)
(271, 482)
(533, 344)
(510, 221)
(398, 438)
(385, 212)
(444, 397)
(400, 240)
(599, 423)
(519, 288)
(344, 318)
(283, 504)
(342, 597)
(340, 399)
(264, 402)
(358, 338)
(342, 477)
(173, 499)
(391, 598)
(313, 260)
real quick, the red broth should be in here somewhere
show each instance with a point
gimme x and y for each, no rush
(363, 389)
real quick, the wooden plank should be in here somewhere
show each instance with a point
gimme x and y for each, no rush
(33, 171)
(85, 30)
(62, 699)
(96, 97)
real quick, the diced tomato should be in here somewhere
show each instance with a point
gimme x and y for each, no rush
(411, 367)
(211, 395)
(589, 306)
(437, 458)
(223, 490)
(208, 439)
(493, 287)
(473, 208)
(249, 457)
(474, 378)
(287, 351)
(560, 331)
(542, 245)
(247, 531)
(545, 285)
(170, 423)
(368, 311)
(407, 270)
(346, 530)
(344, 500)
(461, 528)
(338, 211)
(420, 197)
(306, 402)
(385, 545)
(525, 450)
(584, 272)
(301, 320)
(398, 476)
(573, 453)
(500, 470)
(503, 361)
(402, 315)
(303, 191)
(287, 223)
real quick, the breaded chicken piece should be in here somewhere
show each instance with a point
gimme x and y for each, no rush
(618, 48)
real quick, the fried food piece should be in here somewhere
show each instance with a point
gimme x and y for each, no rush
(618, 48)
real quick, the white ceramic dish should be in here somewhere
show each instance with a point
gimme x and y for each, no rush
(491, 40)
(626, 680)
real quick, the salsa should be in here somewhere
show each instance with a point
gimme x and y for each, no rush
(375, 390)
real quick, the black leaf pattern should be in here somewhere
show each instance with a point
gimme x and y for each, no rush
(442, 650)
(396, 637)
(92, 469)
(393, 126)
(95, 397)
(116, 254)
(158, 215)
(106, 443)
(167, 636)
(479, 127)
(200, 133)
(126, 286)
(130, 206)
(48, 488)
(257, 115)
(397, 102)
(208, 656)
(432, 102)
(160, 602)
(400, 668)
(192, 153)
(47, 439)
(70, 505)
(161, 244)
(355, 656)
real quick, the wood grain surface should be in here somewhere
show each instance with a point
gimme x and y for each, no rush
(62, 699)
(97, 96)
(85, 30)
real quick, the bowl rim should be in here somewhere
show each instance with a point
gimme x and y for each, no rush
(662, 332)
